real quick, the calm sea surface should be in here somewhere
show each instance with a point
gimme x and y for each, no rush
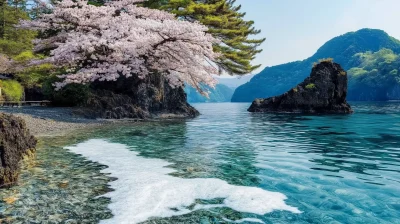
(221, 167)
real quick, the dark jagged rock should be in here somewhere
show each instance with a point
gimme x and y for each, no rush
(138, 98)
(34, 94)
(15, 143)
(323, 92)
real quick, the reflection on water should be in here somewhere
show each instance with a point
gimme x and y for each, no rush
(336, 169)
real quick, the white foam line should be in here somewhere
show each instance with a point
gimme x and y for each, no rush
(253, 220)
(144, 189)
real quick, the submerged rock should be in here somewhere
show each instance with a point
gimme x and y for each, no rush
(324, 91)
(15, 143)
(136, 98)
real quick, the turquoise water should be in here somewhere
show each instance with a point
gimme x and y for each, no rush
(334, 169)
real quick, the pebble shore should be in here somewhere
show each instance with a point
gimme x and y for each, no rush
(46, 121)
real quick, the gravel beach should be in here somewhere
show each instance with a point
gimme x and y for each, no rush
(49, 121)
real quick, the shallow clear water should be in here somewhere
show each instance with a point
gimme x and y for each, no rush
(335, 169)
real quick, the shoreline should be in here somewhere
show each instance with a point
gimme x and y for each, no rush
(57, 121)
(43, 127)
(47, 121)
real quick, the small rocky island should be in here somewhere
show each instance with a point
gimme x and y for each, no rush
(16, 142)
(323, 92)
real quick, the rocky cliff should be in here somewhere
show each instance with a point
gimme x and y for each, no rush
(135, 98)
(324, 91)
(15, 143)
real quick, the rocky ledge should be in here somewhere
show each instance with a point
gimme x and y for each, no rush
(136, 98)
(15, 143)
(323, 92)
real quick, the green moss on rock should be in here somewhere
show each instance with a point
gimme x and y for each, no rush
(310, 86)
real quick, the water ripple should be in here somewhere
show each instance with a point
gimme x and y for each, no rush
(336, 169)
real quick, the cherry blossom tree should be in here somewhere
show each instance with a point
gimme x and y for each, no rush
(121, 38)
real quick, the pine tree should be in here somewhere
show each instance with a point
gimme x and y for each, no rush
(225, 22)
(14, 40)
(3, 8)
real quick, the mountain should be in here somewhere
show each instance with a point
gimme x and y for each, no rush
(278, 79)
(376, 78)
(221, 93)
(234, 82)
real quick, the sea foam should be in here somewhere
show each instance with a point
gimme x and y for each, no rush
(144, 189)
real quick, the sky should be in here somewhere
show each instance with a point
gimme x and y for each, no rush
(295, 29)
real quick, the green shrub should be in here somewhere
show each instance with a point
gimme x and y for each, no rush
(330, 60)
(35, 76)
(24, 56)
(357, 72)
(310, 86)
(71, 95)
(11, 90)
(11, 48)
(394, 72)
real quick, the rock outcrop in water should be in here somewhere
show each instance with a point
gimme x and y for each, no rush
(323, 92)
(136, 98)
(15, 143)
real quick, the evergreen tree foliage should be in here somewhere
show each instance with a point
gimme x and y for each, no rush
(13, 40)
(11, 90)
(16, 44)
(376, 77)
(225, 22)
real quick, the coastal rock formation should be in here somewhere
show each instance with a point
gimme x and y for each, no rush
(15, 143)
(138, 98)
(323, 92)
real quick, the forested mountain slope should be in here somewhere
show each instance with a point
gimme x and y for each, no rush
(276, 80)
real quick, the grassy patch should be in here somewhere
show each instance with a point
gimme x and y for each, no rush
(330, 60)
(11, 90)
(310, 86)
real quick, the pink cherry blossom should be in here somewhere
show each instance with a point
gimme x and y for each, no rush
(123, 39)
